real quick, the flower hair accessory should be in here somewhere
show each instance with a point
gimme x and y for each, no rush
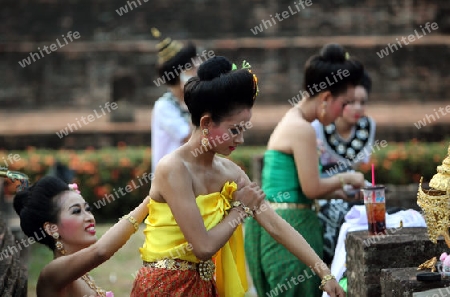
(246, 65)
(74, 187)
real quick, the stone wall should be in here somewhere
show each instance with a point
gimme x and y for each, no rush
(25, 20)
(79, 74)
(368, 255)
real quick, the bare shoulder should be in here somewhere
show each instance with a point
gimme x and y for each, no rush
(170, 164)
(290, 131)
(234, 170)
(229, 165)
(171, 172)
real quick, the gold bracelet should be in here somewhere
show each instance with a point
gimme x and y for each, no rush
(242, 214)
(247, 209)
(341, 179)
(132, 221)
(325, 279)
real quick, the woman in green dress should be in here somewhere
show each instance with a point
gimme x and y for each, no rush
(290, 176)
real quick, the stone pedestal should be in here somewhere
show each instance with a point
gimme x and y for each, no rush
(402, 282)
(368, 255)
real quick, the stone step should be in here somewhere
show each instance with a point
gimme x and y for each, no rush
(264, 117)
(394, 123)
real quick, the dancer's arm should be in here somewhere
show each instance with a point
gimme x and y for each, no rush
(64, 270)
(293, 241)
(304, 150)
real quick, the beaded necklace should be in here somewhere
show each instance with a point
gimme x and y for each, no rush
(90, 282)
(361, 136)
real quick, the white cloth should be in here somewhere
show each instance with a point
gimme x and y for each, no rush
(169, 127)
(356, 220)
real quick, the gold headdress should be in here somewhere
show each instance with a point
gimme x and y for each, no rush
(435, 202)
(167, 48)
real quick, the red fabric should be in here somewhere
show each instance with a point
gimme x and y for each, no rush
(161, 282)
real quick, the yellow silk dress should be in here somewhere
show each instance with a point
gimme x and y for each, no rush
(164, 240)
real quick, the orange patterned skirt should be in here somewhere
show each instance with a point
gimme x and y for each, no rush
(162, 282)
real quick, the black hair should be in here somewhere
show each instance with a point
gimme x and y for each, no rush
(324, 68)
(171, 68)
(366, 82)
(218, 90)
(36, 205)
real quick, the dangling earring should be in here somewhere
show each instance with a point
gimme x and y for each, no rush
(323, 112)
(205, 140)
(58, 244)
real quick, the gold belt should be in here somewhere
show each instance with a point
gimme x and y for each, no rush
(206, 268)
(276, 205)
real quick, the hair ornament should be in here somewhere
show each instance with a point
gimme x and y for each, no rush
(347, 55)
(246, 65)
(74, 187)
(255, 85)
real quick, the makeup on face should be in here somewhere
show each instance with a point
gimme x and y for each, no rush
(227, 134)
(76, 222)
(230, 132)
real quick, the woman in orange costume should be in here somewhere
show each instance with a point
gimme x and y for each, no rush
(194, 241)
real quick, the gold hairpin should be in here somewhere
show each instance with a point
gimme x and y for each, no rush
(156, 33)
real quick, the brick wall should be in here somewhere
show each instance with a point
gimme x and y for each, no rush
(25, 20)
(79, 74)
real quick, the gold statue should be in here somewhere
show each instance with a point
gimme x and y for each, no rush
(15, 175)
(435, 202)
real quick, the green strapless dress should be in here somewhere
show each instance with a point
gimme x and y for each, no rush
(274, 270)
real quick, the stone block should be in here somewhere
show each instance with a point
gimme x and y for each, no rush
(402, 282)
(368, 255)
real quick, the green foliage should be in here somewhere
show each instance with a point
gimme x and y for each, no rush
(102, 172)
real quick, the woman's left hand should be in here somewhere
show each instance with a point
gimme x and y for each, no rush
(333, 289)
(355, 197)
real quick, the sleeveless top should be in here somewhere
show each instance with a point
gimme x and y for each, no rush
(280, 180)
(164, 239)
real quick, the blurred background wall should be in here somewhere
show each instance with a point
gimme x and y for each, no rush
(80, 74)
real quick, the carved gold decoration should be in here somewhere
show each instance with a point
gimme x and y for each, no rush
(429, 264)
(435, 202)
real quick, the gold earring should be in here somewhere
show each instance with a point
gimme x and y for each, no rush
(58, 244)
(205, 140)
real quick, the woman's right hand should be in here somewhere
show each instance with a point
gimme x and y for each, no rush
(250, 195)
(355, 179)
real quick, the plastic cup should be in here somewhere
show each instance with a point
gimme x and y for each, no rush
(375, 202)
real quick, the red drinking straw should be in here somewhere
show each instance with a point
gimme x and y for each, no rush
(373, 176)
(373, 182)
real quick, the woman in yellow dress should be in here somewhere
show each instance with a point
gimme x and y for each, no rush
(198, 200)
